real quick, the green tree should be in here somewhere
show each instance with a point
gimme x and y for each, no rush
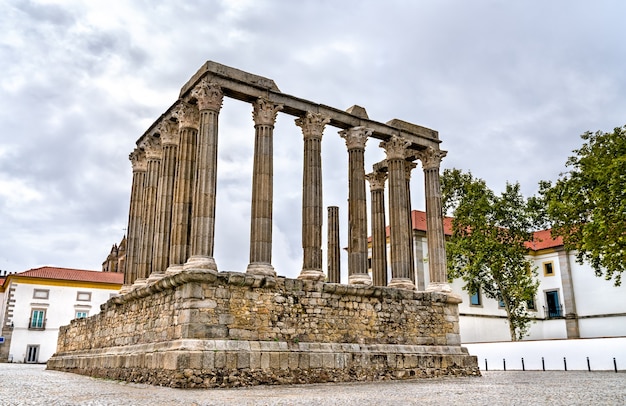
(487, 248)
(587, 205)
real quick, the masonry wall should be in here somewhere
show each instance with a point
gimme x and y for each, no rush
(192, 321)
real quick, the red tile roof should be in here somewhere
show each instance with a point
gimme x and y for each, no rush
(543, 239)
(49, 272)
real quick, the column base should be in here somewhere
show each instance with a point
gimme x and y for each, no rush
(139, 283)
(200, 262)
(261, 268)
(359, 279)
(442, 287)
(154, 276)
(312, 275)
(173, 269)
(402, 283)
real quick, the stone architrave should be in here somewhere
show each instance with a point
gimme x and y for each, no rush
(409, 166)
(264, 116)
(188, 118)
(209, 96)
(356, 137)
(168, 131)
(312, 125)
(395, 149)
(437, 267)
(334, 246)
(135, 213)
(154, 154)
(379, 234)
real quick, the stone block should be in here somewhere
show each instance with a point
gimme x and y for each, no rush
(243, 359)
(265, 360)
(255, 360)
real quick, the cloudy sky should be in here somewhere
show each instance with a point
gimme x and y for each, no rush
(510, 86)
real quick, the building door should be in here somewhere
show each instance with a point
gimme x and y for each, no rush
(32, 354)
(552, 301)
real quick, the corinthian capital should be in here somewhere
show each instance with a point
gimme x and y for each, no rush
(169, 132)
(188, 115)
(208, 94)
(376, 180)
(395, 148)
(356, 137)
(138, 160)
(264, 112)
(312, 125)
(152, 146)
(431, 157)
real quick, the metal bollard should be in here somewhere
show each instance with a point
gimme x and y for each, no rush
(543, 364)
(523, 367)
(486, 366)
(588, 365)
(504, 363)
(565, 363)
(614, 364)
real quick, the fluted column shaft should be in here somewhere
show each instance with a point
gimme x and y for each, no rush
(379, 235)
(210, 97)
(181, 206)
(264, 115)
(312, 211)
(356, 138)
(395, 149)
(153, 156)
(138, 160)
(165, 194)
(334, 247)
(409, 166)
(431, 159)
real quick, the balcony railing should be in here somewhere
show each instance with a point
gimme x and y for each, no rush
(37, 324)
(553, 312)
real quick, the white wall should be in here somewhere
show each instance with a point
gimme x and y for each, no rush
(61, 307)
(600, 351)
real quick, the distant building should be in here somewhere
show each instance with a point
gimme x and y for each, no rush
(571, 301)
(116, 259)
(35, 303)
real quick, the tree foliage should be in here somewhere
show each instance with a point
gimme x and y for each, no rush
(487, 248)
(587, 204)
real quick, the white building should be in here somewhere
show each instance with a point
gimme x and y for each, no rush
(571, 301)
(35, 303)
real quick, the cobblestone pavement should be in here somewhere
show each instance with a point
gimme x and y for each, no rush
(22, 384)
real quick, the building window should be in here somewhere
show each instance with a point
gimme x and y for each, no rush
(81, 314)
(41, 293)
(83, 296)
(37, 320)
(475, 299)
(548, 269)
(553, 307)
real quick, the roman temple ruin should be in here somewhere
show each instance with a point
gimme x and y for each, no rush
(179, 321)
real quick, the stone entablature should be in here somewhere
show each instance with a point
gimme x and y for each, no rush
(188, 328)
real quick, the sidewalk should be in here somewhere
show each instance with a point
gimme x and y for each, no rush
(22, 384)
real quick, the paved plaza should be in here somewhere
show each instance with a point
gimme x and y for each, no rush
(22, 384)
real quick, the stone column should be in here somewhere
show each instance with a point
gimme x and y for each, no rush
(312, 211)
(264, 115)
(408, 167)
(168, 131)
(379, 234)
(395, 149)
(135, 224)
(356, 138)
(188, 118)
(437, 266)
(209, 97)
(334, 246)
(154, 153)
